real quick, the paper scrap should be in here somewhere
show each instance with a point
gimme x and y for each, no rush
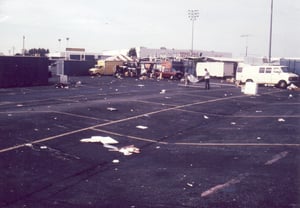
(111, 109)
(103, 140)
(142, 127)
(129, 150)
(162, 91)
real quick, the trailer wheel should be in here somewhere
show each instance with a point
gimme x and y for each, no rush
(282, 84)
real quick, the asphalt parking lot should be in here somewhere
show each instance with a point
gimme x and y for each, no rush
(191, 147)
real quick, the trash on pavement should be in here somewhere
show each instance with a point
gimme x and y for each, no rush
(116, 161)
(111, 109)
(292, 87)
(111, 147)
(142, 127)
(190, 184)
(163, 91)
(103, 140)
(281, 120)
(192, 78)
(206, 117)
(107, 141)
(129, 150)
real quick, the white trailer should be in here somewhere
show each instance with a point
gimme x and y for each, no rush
(215, 69)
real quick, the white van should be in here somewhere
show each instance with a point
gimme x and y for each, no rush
(266, 74)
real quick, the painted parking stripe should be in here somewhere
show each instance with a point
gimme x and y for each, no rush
(277, 157)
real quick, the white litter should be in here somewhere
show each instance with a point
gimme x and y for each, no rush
(190, 184)
(107, 141)
(192, 78)
(111, 109)
(103, 140)
(141, 85)
(281, 120)
(142, 127)
(19, 105)
(43, 147)
(292, 87)
(233, 123)
(206, 117)
(111, 147)
(116, 161)
(162, 91)
(129, 150)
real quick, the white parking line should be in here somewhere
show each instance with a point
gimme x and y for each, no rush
(142, 115)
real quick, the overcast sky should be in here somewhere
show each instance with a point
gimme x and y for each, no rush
(98, 25)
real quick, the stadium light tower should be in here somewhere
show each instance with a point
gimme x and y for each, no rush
(271, 26)
(193, 15)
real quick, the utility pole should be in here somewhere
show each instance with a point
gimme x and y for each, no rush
(193, 15)
(23, 50)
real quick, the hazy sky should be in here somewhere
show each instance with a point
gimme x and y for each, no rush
(98, 25)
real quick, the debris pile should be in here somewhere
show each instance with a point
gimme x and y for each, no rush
(107, 143)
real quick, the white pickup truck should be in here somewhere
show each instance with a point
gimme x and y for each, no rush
(266, 74)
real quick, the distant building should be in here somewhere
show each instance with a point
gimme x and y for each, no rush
(143, 52)
(75, 54)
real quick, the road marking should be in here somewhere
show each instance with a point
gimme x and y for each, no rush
(238, 144)
(131, 137)
(136, 117)
(219, 187)
(277, 157)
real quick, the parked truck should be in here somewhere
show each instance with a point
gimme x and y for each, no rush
(105, 67)
(215, 69)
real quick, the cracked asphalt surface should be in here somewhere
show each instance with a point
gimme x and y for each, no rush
(199, 148)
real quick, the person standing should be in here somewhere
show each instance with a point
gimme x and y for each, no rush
(206, 79)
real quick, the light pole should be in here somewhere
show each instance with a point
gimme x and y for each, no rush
(246, 36)
(67, 45)
(59, 41)
(271, 26)
(193, 15)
